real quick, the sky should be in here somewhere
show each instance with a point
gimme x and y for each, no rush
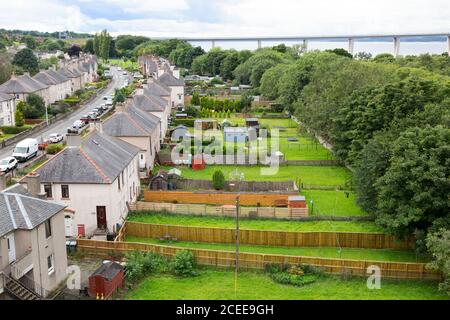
(216, 18)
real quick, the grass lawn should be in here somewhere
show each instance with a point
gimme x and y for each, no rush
(255, 224)
(127, 65)
(332, 203)
(312, 175)
(216, 284)
(306, 148)
(327, 252)
(6, 136)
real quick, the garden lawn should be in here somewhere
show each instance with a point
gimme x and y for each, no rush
(311, 175)
(254, 224)
(218, 284)
(326, 252)
(332, 203)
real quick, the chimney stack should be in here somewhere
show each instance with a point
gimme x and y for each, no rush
(73, 140)
(96, 125)
(2, 181)
(33, 184)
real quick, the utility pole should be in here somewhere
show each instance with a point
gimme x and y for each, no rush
(236, 268)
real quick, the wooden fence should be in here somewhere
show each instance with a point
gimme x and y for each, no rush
(252, 186)
(268, 237)
(217, 258)
(218, 198)
(222, 211)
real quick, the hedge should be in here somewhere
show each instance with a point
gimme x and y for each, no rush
(185, 122)
(13, 130)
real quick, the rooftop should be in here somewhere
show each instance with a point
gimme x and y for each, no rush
(20, 211)
(99, 159)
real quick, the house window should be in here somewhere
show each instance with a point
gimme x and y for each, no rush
(48, 190)
(142, 157)
(118, 183)
(48, 229)
(65, 191)
(51, 264)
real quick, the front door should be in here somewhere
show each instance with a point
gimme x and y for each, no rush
(11, 248)
(68, 224)
(101, 217)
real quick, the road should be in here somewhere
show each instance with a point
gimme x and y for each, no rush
(62, 125)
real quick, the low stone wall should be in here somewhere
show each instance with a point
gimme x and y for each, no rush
(253, 186)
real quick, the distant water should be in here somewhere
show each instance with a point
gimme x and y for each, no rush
(406, 48)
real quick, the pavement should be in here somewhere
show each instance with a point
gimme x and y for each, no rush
(62, 125)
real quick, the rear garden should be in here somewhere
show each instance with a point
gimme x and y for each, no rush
(218, 284)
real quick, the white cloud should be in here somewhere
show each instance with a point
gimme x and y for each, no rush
(237, 18)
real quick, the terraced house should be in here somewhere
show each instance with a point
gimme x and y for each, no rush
(7, 109)
(146, 100)
(96, 177)
(138, 128)
(33, 260)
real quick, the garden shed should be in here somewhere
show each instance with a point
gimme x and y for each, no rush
(160, 181)
(198, 163)
(179, 132)
(296, 202)
(106, 280)
(200, 124)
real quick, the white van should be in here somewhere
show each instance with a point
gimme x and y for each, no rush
(25, 149)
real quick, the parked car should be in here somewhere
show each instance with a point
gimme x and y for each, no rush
(109, 103)
(105, 97)
(104, 107)
(8, 164)
(87, 118)
(98, 110)
(125, 73)
(25, 149)
(94, 115)
(55, 138)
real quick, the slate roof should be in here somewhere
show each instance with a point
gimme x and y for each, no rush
(169, 80)
(33, 83)
(132, 122)
(21, 211)
(5, 97)
(157, 88)
(45, 78)
(17, 85)
(66, 73)
(100, 159)
(59, 77)
(149, 103)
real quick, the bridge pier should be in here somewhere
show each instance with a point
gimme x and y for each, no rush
(259, 42)
(396, 46)
(213, 44)
(305, 45)
(351, 45)
(448, 45)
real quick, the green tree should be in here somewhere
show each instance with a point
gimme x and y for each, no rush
(35, 107)
(195, 101)
(218, 180)
(18, 116)
(270, 81)
(438, 244)
(414, 191)
(5, 67)
(89, 46)
(26, 60)
(384, 58)
(341, 52)
(29, 41)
